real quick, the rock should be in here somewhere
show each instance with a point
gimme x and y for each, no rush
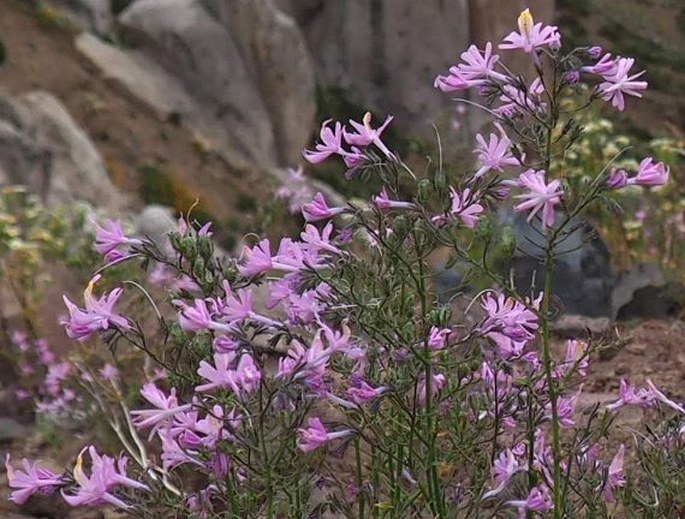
(384, 54)
(140, 75)
(183, 37)
(275, 53)
(11, 430)
(582, 279)
(41, 146)
(95, 15)
(635, 289)
(578, 326)
(156, 221)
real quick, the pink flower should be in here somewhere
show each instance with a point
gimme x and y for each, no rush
(475, 70)
(195, 318)
(628, 395)
(504, 467)
(479, 65)
(438, 381)
(650, 173)
(318, 209)
(531, 35)
(382, 201)
(31, 480)
(538, 500)
(618, 178)
(495, 154)
(508, 317)
(606, 65)
(331, 142)
(244, 378)
(104, 476)
(465, 208)
(615, 477)
(540, 196)
(165, 407)
(366, 135)
(360, 392)
(97, 315)
(109, 238)
(437, 338)
(617, 82)
(256, 260)
(316, 435)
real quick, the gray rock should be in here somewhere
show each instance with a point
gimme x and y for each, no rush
(156, 221)
(578, 326)
(637, 291)
(582, 279)
(183, 37)
(276, 56)
(386, 53)
(11, 430)
(41, 146)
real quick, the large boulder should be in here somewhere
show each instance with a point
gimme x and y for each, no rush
(582, 280)
(189, 42)
(276, 56)
(42, 147)
(386, 53)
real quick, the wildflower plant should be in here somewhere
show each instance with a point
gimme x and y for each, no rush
(321, 374)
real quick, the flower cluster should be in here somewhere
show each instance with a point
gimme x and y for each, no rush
(321, 347)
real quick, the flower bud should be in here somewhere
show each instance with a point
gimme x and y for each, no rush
(439, 180)
(508, 242)
(424, 191)
(205, 247)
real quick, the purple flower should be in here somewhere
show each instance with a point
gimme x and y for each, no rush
(109, 238)
(476, 68)
(650, 173)
(437, 338)
(256, 260)
(618, 178)
(97, 315)
(540, 196)
(505, 466)
(31, 480)
(438, 381)
(165, 407)
(360, 392)
(508, 317)
(318, 209)
(382, 201)
(366, 135)
(465, 208)
(531, 35)
(628, 395)
(331, 142)
(615, 478)
(495, 154)
(244, 378)
(618, 82)
(594, 52)
(105, 475)
(316, 435)
(538, 500)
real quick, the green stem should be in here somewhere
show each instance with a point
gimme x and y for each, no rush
(551, 388)
(360, 479)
